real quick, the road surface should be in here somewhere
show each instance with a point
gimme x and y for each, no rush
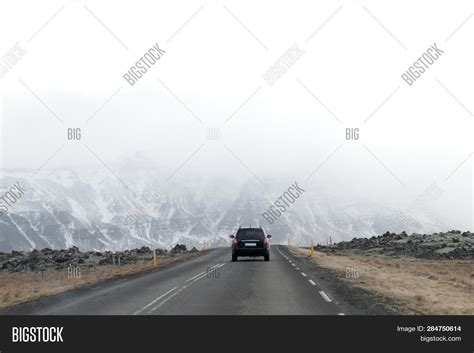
(207, 284)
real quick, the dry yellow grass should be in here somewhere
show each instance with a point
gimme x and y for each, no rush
(421, 286)
(19, 287)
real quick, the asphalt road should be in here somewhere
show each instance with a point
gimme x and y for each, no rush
(208, 284)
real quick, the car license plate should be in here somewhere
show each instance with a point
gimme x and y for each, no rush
(250, 244)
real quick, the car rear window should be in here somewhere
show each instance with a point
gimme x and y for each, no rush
(250, 234)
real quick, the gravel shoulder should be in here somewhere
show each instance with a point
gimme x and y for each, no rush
(403, 285)
(26, 276)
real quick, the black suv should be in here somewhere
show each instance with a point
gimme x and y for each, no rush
(251, 242)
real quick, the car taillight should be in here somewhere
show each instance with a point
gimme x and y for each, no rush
(234, 243)
(266, 243)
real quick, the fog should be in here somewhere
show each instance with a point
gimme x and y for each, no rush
(204, 110)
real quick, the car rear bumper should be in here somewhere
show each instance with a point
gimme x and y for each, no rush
(250, 252)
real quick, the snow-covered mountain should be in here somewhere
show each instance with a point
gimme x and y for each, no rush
(135, 206)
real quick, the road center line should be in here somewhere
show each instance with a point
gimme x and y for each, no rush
(303, 274)
(168, 298)
(206, 273)
(312, 282)
(190, 279)
(154, 301)
(196, 278)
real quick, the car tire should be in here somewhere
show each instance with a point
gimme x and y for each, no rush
(234, 258)
(267, 257)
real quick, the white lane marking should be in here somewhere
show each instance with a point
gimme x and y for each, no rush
(190, 279)
(201, 277)
(168, 298)
(293, 265)
(325, 296)
(341, 314)
(206, 273)
(154, 301)
(297, 268)
(303, 274)
(312, 282)
(182, 288)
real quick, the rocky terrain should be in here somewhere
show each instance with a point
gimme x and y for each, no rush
(47, 259)
(91, 209)
(450, 245)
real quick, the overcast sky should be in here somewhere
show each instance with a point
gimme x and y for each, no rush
(211, 77)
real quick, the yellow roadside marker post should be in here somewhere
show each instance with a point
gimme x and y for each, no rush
(311, 249)
(154, 258)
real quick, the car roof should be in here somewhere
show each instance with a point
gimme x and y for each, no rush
(247, 228)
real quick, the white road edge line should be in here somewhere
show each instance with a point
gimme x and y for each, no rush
(341, 314)
(303, 274)
(325, 296)
(312, 282)
(154, 301)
